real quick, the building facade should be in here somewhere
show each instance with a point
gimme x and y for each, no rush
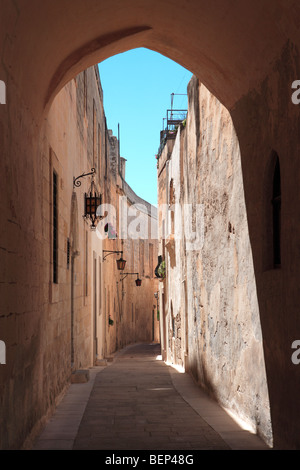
(76, 309)
(210, 324)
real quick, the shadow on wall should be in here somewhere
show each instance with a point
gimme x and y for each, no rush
(200, 374)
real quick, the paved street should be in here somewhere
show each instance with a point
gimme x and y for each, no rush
(139, 403)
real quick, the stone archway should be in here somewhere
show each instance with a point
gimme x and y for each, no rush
(246, 54)
(44, 55)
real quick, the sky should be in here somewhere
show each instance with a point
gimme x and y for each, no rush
(137, 87)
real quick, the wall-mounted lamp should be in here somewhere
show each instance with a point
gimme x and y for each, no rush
(138, 282)
(92, 200)
(120, 262)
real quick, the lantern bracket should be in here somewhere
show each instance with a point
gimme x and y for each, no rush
(77, 183)
(110, 253)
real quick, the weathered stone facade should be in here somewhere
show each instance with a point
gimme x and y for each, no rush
(211, 324)
(58, 322)
(247, 55)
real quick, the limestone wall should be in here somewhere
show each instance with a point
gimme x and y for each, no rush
(132, 309)
(51, 329)
(212, 316)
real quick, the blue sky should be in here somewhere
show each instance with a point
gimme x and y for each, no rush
(137, 87)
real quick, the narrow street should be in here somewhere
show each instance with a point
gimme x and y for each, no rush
(137, 402)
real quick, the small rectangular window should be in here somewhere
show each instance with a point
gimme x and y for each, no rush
(141, 255)
(68, 253)
(132, 254)
(86, 262)
(55, 228)
(95, 135)
(151, 273)
(85, 92)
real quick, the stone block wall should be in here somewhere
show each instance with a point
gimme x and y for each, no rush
(212, 317)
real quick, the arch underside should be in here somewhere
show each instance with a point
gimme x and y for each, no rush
(244, 52)
(229, 46)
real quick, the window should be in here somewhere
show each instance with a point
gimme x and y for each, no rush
(272, 214)
(171, 208)
(151, 260)
(173, 321)
(99, 150)
(68, 253)
(55, 227)
(141, 256)
(132, 254)
(100, 286)
(86, 275)
(85, 92)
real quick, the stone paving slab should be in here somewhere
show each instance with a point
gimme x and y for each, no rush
(236, 437)
(139, 403)
(61, 429)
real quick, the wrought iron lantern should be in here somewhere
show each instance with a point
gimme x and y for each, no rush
(120, 262)
(92, 199)
(138, 282)
(92, 202)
